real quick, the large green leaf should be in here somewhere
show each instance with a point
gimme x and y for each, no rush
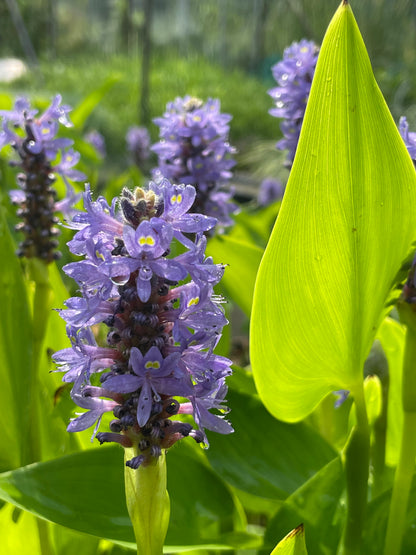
(272, 464)
(15, 352)
(85, 491)
(346, 224)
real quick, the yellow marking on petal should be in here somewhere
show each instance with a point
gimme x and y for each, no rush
(304, 49)
(99, 255)
(45, 130)
(146, 240)
(152, 364)
(197, 118)
(176, 198)
(193, 301)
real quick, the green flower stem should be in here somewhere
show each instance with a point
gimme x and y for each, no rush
(404, 472)
(356, 463)
(148, 503)
(38, 274)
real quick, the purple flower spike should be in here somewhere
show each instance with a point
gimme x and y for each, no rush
(34, 140)
(194, 149)
(162, 315)
(294, 75)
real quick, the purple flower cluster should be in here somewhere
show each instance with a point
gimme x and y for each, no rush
(294, 75)
(42, 155)
(194, 149)
(163, 320)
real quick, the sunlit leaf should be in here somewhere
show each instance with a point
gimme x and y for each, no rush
(392, 337)
(292, 544)
(346, 225)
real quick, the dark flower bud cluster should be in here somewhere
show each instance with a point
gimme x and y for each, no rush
(162, 315)
(34, 140)
(194, 149)
(294, 75)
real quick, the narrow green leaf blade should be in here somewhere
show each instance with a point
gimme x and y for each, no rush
(346, 224)
(15, 352)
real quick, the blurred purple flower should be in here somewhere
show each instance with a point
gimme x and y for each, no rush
(270, 191)
(194, 149)
(294, 75)
(96, 140)
(41, 155)
(138, 144)
(162, 316)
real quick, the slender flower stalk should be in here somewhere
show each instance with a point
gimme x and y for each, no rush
(194, 149)
(294, 75)
(163, 321)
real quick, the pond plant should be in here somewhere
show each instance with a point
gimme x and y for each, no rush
(317, 455)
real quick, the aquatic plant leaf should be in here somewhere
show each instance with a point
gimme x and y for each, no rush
(344, 230)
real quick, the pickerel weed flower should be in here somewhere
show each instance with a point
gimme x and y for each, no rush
(41, 156)
(194, 149)
(294, 75)
(163, 320)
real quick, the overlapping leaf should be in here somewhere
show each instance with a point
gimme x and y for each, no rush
(346, 224)
(85, 492)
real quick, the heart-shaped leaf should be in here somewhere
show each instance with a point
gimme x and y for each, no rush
(346, 224)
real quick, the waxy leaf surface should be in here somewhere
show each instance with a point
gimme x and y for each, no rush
(346, 224)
